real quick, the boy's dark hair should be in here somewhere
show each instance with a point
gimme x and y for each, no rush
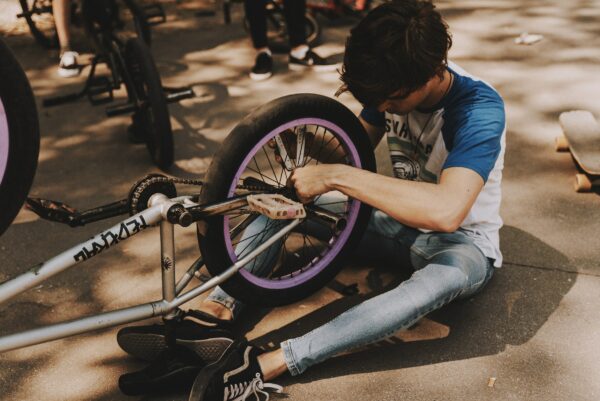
(399, 45)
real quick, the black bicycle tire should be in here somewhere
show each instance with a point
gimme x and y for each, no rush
(23, 134)
(140, 21)
(46, 41)
(222, 170)
(144, 74)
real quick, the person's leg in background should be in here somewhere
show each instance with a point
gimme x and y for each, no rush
(256, 15)
(301, 55)
(68, 66)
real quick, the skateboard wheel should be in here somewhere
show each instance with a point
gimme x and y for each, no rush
(561, 144)
(582, 183)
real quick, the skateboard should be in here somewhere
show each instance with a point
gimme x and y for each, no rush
(581, 137)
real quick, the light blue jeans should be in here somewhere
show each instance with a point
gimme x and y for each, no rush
(447, 266)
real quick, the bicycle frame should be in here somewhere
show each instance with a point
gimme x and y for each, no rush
(110, 49)
(160, 211)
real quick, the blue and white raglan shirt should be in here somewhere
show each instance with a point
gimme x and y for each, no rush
(466, 129)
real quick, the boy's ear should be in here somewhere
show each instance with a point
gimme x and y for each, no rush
(440, 70)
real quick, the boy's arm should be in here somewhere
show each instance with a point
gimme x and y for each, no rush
(439, 207)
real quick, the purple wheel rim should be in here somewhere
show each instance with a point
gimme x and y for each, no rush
(338, 241)
(4, 141)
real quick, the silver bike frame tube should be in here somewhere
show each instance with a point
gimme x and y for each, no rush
(79, 253)
(189, 275)
(78, 326)
(213, 282)
(193, 270)
(134, 313)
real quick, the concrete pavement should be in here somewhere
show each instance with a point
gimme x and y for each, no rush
(535, 329)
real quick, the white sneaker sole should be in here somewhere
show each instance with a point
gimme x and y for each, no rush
(260, 77)
(68, 72)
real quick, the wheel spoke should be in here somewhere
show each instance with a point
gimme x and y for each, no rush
(262, 176)
(333, 152)
(318, 158)
(271, 165)
(262, 235)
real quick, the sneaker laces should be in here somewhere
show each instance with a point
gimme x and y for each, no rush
(256, 387)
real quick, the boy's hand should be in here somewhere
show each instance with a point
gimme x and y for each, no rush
(314, 180)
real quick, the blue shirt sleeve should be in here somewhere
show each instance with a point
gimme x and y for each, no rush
(373, 117)
(475, 138)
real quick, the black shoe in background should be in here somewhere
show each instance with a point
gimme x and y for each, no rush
(311, 60)
(263, 67)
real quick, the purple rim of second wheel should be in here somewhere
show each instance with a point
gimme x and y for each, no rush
(340, 240)
(4, 141)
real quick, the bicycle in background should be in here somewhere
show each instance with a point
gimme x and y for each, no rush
(131, 64)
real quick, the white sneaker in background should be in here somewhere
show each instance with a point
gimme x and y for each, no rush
(68, 66)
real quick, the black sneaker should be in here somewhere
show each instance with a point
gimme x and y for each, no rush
(313, 61)
(263, 67)
(173, 370)
(200, 332)
(236, 376)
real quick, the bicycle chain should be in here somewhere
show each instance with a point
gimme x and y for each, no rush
(136, 194)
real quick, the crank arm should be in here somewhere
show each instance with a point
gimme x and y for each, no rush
(62, 213)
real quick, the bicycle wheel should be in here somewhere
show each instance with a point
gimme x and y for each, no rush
(19, 137)
(101, 18)
(152, 114)
(308, 257)
(140, 21)
(39, 18)
(277, 34)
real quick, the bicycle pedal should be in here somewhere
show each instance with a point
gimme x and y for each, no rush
(276, 206)
(155, 14)
(100, 91)
(52, 210)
